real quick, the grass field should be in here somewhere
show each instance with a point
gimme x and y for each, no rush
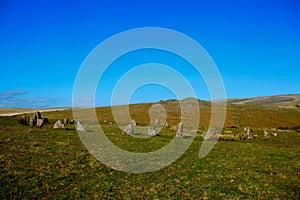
(48, 163)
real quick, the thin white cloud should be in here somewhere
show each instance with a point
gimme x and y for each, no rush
(9, 94)
(11, 99)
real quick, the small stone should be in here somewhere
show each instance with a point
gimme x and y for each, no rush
(156, 123)
(179, 132)
(128, 129)
(151, 130)
(80, 126)
(32, 121)
(59, 124)
(167, 125)
(266, 134)
(133, 122)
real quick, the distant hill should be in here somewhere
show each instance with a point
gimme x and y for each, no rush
(280, 101)
(256, 112)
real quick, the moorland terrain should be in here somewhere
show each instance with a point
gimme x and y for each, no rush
(42, 163)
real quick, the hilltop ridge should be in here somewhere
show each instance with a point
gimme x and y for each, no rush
(280, 101)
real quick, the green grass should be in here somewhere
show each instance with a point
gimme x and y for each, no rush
(47, 163)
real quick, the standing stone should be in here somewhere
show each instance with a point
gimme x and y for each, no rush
(39, 123)
(166, 125)
(156, 123)
(32, 121)
(151, 130)
(179, 132)
(211, 134)
(208, 134)
(38, 115)
(249, 133)
(133, 122)
(66, 120)
(80, 126)
(59, 124)
(128, 129)
(22, 120)
(266, 134)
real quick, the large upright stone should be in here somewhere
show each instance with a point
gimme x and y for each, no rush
(38, 115)
(66, 120)
(39, 123)
(32, 121)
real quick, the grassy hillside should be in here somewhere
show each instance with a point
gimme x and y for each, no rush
(236, 115)
(258, 117)
(48, 163)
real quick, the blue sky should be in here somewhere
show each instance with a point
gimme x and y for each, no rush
(255, 45)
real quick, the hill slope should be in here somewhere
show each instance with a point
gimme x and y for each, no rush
(258, 117)
(257, 112)
(282, 101)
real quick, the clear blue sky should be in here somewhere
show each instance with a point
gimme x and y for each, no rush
(255, 44)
